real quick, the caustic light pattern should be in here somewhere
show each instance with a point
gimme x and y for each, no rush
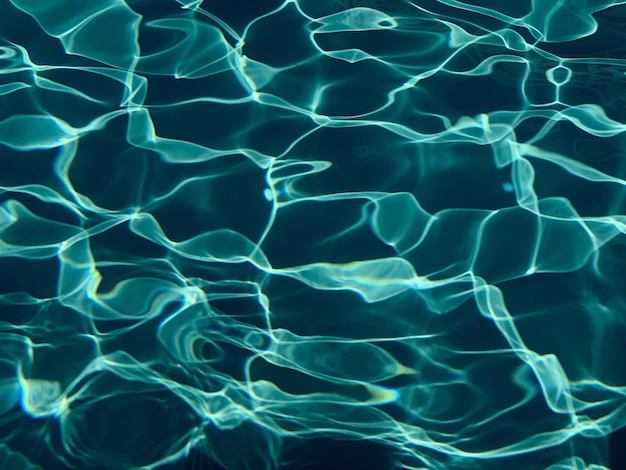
(231, 228)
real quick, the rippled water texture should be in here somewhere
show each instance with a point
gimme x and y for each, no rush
(264, 235)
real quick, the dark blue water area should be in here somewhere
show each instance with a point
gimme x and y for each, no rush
(617, 444)
(302, 235)
(319, 453)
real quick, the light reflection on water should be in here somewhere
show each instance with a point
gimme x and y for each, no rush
(230, 230)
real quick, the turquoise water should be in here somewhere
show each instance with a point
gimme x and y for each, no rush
(312, 234)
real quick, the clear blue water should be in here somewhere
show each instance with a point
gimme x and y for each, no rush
(312, 234)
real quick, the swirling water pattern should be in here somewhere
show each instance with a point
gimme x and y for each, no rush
(232, 230)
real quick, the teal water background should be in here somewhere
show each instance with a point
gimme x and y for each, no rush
(312, 234)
